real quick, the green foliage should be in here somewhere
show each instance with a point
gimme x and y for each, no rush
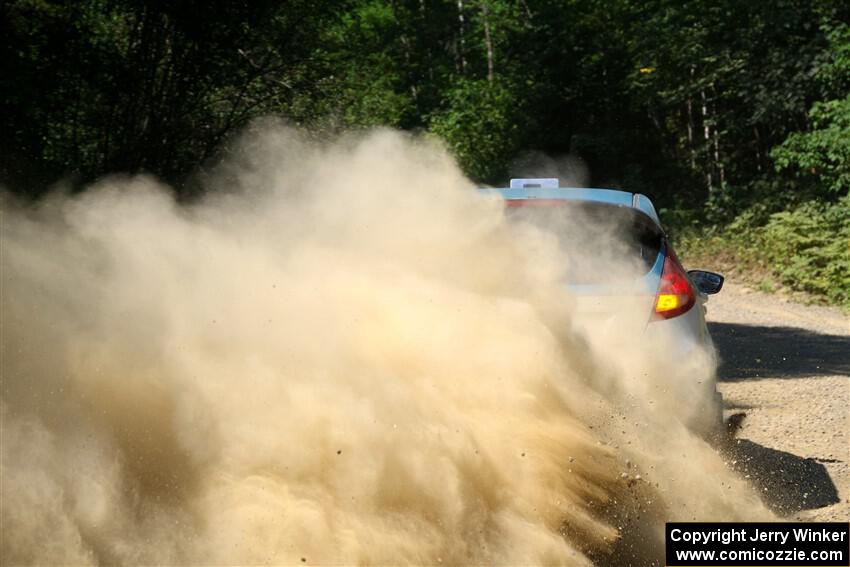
(809, 249)
(680, 100)
(479, 123)
(730, 113)
(834, 71)
(95, 86)
(824, 151)
(821, 155)
(766, 286)
(365, 48)
(806, 248)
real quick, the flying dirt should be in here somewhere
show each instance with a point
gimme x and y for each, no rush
(341, 355)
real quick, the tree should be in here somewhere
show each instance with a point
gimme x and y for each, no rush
(822, 153)
(106, 85)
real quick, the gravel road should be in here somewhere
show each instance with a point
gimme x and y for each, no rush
(786, 367)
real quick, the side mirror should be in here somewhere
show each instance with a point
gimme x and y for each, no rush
(706, 282)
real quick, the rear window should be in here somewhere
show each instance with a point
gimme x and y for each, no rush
(600, 242)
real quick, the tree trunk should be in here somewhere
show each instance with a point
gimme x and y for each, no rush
(488, 40)
(691, 148)
(717, 161)
(707, 135)
(461, 38)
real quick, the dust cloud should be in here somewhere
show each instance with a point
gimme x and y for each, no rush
(342, 355)
(569, 168)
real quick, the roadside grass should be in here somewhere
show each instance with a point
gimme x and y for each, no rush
(804, 251)
(767, 285)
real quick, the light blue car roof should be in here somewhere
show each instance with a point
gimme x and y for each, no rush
(610, 196)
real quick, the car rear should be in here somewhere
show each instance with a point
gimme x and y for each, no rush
(626, 283)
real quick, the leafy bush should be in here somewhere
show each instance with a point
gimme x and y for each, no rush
(479, 123)
(825, 150)
(822, 154)
(806, 248)
(809, 249)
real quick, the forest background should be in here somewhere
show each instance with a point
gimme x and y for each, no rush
(734, 117)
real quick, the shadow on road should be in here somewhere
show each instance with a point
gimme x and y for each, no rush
(787, 483)
(750, 351)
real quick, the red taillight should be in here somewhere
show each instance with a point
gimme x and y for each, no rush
(675, 295)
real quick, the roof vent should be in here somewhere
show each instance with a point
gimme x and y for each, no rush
(547, 183)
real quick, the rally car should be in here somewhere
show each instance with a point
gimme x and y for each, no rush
(621, 271)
